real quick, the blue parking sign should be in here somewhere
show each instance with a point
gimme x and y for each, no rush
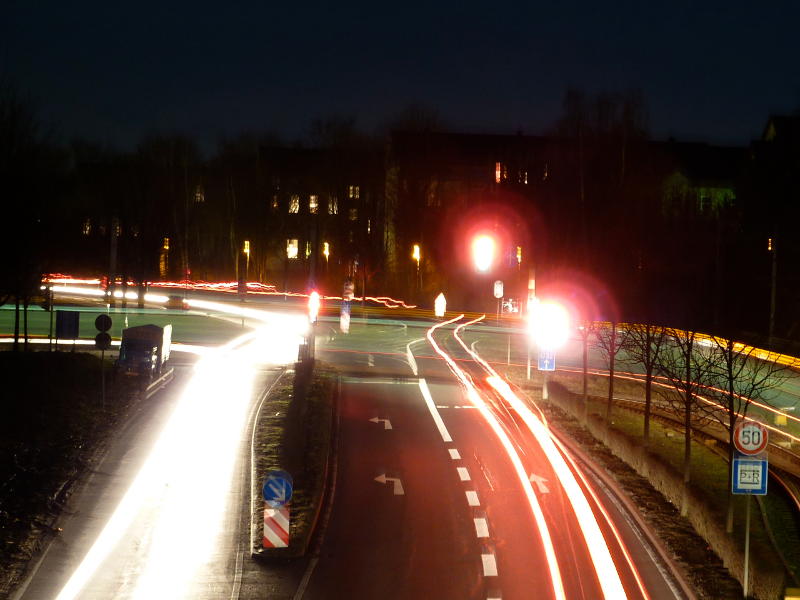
(750, 476)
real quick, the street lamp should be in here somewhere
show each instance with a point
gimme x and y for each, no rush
(416, 255)
(483, 251)
(246, 251)
(549, 327)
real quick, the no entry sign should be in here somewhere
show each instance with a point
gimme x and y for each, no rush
(750, 438)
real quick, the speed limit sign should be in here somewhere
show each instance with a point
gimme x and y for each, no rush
(750, 437)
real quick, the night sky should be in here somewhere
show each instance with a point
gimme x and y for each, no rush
(709, 70)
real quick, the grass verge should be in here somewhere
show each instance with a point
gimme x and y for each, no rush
(293, 432)
(53, 418)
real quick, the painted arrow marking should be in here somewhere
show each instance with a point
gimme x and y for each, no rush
(278, 490)
(398, 486)
(387, 424)
(540, 482)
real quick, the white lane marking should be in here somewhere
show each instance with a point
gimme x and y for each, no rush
(437, 418)
(463, 474)
(301, 589)
(489, 565)
(481, 528)
(472, 498)
(454, 454)
(411, 361)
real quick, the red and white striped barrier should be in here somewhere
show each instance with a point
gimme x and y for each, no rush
(276, 527)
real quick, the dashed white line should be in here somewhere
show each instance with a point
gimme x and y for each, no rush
(481, 528)
(437, 418)
(463, 474)
(489, 565)
(472, 498)
(454, 454)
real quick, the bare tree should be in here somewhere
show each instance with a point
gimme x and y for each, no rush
(586, 330)
(643, 346)
(737, 378)
(687, 369)
(610, 339)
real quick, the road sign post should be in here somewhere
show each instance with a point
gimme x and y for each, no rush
(103, 341)
(547, 363)
(750, 473)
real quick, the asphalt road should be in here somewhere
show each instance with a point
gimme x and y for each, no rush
(428, 500)
(433, 506)
(181, 530)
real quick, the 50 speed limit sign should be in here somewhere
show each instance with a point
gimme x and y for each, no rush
(750, 438)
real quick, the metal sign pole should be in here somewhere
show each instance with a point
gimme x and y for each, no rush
(529, 361)
(747, 547)
(103, 377)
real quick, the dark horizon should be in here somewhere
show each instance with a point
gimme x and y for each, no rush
(712, 73)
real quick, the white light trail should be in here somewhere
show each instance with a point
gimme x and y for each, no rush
(184, 482)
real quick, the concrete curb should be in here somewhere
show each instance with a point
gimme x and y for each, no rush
(663, 553)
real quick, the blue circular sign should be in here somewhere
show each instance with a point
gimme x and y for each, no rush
(277, 488)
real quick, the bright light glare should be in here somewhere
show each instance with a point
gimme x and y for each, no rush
(483, 252)
(548, 324)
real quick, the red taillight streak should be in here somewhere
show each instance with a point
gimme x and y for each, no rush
(603, 563)
(536, 510)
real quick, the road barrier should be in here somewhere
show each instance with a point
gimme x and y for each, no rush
(276, 526)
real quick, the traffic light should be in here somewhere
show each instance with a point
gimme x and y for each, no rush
(483, 251)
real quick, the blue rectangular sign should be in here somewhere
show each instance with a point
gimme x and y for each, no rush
(750, 476)
(547, 360)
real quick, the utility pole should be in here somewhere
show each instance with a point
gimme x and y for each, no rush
(772, 248)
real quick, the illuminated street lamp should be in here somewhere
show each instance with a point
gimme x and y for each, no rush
(548, 327)
(483, 251)
(313, 306)
(416, 255)
(246, 251)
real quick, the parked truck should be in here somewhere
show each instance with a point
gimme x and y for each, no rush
(144, 350)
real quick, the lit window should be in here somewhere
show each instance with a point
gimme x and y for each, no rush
(354, 192)
(353, 214)
(294, 204)
(522, 177)
(498, 170)
(291, 248)
(87, 227)
(199, 194)
(165, 245)
(326, 250)
(308, 249)
(275, 202)
(313, 204)
(369, 225)
(333, 205)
